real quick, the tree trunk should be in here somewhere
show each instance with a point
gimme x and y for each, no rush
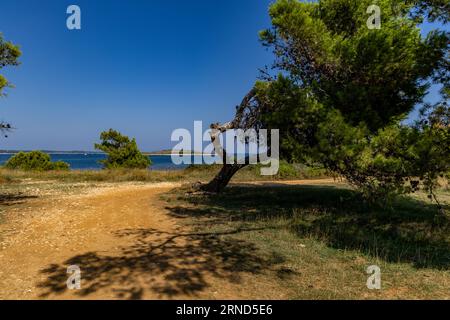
(222, 179)
(242, 120)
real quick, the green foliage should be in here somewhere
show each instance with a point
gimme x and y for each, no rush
(432, 9)
(398, 159)
(343, 90)
(293, 109)
(376, 164)
(121, 151)
(432, 147)
(34, 161)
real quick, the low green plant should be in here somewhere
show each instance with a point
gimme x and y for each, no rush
(35, 161)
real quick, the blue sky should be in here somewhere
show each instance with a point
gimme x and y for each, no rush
(142, 67)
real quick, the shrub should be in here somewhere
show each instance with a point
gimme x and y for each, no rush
(35, 161)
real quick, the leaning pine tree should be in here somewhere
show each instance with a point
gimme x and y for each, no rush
(343, 90)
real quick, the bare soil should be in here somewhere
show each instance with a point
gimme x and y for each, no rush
(125, 243)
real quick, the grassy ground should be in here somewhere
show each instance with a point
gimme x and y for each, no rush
(17, 185)
(317, 241)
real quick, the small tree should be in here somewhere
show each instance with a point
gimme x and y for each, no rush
(9, 55)
(121, 151)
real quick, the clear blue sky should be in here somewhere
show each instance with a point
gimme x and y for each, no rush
(142, 67)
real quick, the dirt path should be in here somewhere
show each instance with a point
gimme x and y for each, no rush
(36, 248)
(126, 245)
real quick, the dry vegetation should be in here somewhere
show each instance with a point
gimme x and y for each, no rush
(308, 239)
(317, 241)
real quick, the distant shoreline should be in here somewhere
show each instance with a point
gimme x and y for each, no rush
(50, 152)
(100, 153)
(10, 152)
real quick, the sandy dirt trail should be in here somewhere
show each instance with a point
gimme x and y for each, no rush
(126, 244)
(85, 225)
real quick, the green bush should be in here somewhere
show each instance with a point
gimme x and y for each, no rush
(121, 151)
(287, 170)
(35, 161)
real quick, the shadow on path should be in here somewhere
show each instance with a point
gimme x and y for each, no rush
(14, 199)
(166, 264)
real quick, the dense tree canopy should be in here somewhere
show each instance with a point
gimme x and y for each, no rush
(342, 90)
(121, 151)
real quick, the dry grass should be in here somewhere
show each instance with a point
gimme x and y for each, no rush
(319, 240)
(313, 241)
(201, 173)
(90, 175)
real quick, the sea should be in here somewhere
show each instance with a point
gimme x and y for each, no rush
(90, 161)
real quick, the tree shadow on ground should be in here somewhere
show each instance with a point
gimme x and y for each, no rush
(166, 264)
(14, 199)
(410, 231)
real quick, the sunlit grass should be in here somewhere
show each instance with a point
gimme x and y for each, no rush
(193, 173)
(321, 239)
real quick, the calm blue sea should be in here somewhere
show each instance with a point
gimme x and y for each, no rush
(90, 161)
